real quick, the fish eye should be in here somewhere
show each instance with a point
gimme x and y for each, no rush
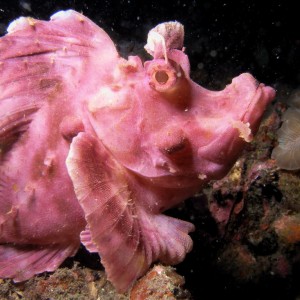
(163, 77)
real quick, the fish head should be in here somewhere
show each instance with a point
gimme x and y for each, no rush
(158, 122)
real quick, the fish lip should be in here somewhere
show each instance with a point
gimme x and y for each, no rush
(262, 97)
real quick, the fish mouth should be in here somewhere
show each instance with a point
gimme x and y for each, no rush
(248, 123)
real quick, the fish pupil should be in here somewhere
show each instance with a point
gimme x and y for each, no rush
(161, 77)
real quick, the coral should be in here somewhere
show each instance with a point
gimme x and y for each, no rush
(286, 153)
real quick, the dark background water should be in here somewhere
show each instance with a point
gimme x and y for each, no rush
(223, 38)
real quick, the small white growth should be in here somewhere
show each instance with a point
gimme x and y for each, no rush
(202, 176)
(17, 24)
(63, 14)
(244, 130)
(48, 160)
(163, 37)
(48, 163)
(104, 98)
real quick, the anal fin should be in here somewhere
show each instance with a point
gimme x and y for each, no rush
(86, 240)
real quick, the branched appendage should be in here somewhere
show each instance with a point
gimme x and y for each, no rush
(164, 37)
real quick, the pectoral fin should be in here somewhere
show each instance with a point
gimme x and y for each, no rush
(127, 235)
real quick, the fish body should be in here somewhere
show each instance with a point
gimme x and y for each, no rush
(95, 147)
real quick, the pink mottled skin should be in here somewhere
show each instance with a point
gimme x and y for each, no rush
(93, 147)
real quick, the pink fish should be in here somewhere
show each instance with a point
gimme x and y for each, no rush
(94, 147)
